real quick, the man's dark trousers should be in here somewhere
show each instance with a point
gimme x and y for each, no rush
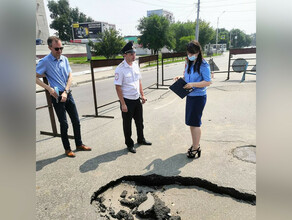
(70, 107)
(135, 111)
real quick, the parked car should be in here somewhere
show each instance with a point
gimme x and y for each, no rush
(39, 41)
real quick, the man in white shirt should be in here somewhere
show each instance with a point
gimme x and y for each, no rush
(129, 90)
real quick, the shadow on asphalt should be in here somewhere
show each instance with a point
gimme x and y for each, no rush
(42, 163)
(93, 163)
(238, 81)
(44, 139)
(170, 166)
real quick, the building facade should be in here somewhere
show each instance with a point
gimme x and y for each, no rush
(42, 28)
(161, 12)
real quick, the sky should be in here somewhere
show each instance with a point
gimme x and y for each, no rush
(240, 14)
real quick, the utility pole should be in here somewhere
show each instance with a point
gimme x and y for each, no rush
(197, 25)
(217, 30)
(230, 40)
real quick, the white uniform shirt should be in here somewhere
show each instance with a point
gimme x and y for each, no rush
(128, 78)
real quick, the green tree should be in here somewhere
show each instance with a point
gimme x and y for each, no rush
(109, 44)
(63, 16)
(79, 17)
(180, 29)
(253, 39)
(206, 33)
(239, 39)
(181, 46)
(155, 33)
(60, 13)
(223, 36)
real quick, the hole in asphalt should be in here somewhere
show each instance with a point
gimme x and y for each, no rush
(158, 197)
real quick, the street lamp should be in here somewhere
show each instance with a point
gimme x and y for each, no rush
(217, 29)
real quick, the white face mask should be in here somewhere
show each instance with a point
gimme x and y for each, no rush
(192, 58)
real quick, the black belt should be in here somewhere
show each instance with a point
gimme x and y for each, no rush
(132, 99)
(60, 93)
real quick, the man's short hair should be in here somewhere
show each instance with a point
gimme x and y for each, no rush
(51, 39)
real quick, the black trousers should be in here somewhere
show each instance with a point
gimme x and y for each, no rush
(61, 108)
(135, 111)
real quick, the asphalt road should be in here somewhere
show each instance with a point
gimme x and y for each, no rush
(64, 185)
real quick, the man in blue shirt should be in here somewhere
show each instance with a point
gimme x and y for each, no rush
(55, 67)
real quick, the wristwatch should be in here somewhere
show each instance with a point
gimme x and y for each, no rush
(68, 91)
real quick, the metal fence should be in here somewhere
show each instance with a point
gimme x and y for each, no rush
(51, 114)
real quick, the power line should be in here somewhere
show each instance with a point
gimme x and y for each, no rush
(206, 2)
(239, 20)
(214, 6)
(243, 11)
(216, 10)
(147, 3)
(175, 3)
(187, 17)
(191, 10)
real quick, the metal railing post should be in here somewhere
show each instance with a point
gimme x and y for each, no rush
(50, 108)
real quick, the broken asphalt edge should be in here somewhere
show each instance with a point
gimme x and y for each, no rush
(158, 180)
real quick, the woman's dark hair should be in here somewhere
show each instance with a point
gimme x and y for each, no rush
(195, 47)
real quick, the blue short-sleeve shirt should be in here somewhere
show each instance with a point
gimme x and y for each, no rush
(196, 77)
(56, 71)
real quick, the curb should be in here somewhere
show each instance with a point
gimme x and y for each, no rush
(75, 84)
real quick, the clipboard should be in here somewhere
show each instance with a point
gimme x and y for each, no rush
(178, 89)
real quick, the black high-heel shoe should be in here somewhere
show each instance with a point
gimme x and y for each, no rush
(192, 153)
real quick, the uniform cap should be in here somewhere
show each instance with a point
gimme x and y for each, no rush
(129, 48)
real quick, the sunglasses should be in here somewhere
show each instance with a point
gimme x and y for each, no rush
(58, 48)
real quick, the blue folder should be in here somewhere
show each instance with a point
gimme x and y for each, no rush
(178, 89)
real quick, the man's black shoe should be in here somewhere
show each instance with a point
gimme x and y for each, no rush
(144, 142)
(131, 149)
